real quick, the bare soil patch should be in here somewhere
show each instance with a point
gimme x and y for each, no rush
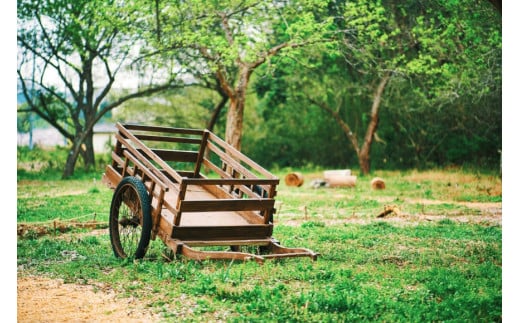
(43, 300)
(488, 214)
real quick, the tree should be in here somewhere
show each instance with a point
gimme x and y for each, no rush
(229, 40)
(70, 55)
(401, 56)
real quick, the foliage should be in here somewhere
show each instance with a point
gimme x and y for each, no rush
(220, 44)
(441, 106)
(70, 54)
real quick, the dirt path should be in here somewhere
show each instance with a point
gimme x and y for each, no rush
(45, 300)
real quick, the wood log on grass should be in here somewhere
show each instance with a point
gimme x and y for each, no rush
(294, 179)
(378, 183)
(340, 178)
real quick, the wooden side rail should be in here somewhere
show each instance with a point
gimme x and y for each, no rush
(168, 139)
(230, 181)
(230, 162)
(146, 171)
(226, 205)
(148, 128)
(136, 154)
(231, 151)
(175, 155)
(124, 133)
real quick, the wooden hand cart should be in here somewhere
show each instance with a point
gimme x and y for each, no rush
(192, 190)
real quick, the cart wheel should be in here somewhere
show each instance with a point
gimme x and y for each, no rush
(130, 222)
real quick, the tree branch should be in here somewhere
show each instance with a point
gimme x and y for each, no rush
(344, 126)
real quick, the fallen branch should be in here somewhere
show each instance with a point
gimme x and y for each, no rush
(389, 209)
(51, 227)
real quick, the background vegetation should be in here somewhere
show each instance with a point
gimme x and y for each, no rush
(381, 84)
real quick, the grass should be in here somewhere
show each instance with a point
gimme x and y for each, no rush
(394, 269)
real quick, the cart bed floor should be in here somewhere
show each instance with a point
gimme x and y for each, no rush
(223, 218)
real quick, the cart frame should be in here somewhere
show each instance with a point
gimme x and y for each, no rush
(205, 193)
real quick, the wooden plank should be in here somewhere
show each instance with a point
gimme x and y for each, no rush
(226, 205)
(231, 181)
(268, 185)
(195, 141)
(206, 233)
(202, 150)
(111, 177)
(245, 242)
(232, 162)
(117, 159)
(175, 155)
(139, 127)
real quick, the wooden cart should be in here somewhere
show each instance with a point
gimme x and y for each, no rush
(192, 190)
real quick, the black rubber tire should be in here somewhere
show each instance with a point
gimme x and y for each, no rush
(130, 223)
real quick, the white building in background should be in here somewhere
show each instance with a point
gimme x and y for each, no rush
(50, 137)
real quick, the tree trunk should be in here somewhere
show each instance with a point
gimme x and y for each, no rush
(364, 162)
(72, 157)
(216, 112)
(234, 122)
(87, 151)
(82, 145)
(235, 115)
(364, 153)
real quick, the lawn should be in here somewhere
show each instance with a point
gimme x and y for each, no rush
(437, 257)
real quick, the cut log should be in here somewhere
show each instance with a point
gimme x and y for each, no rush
(378, 183)
(339, 178)
(338, 172)
(342, 181)
(294, 179)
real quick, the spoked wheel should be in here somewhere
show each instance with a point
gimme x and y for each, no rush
(130, 221)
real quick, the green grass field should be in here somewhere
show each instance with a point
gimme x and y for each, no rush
(438, 257)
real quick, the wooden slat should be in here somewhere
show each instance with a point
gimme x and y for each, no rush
(117, 159)
(226, 205)
(231, 181)
(175, 155)
(201, 152)
(215, 233)
(138, 127)
(268, 186)
(183, 140)
(220, 192)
